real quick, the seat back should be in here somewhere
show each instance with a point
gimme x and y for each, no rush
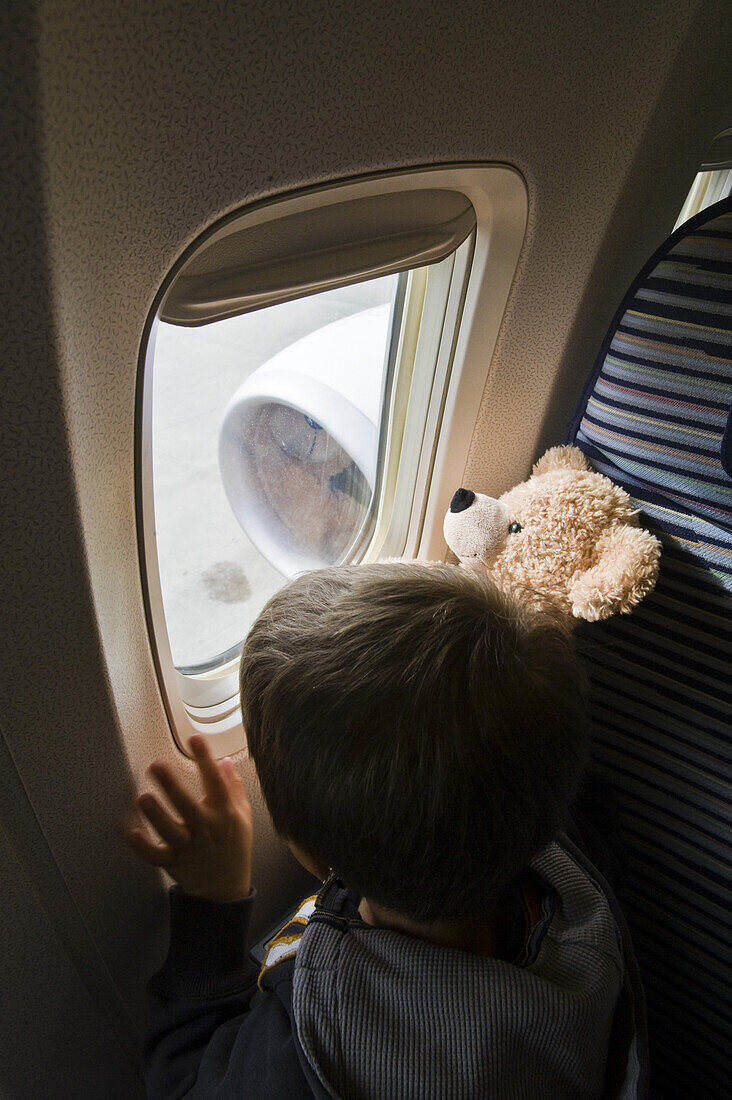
(655, 417)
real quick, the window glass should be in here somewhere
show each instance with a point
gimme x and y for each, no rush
(266, 434)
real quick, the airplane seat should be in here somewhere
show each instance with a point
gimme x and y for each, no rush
(655, 417)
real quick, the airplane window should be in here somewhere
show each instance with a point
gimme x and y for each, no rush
(297, 368)
(713, 182)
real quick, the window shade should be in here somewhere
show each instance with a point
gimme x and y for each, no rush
(315, 250)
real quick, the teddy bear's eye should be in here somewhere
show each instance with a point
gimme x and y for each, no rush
(514, 528)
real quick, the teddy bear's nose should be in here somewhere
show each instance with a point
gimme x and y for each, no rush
(463, 499)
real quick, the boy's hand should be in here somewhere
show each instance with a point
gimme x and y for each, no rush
(208, 850)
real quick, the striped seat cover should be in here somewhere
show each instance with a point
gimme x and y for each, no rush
(655, 417)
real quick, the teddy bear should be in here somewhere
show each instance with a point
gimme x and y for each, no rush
(567, 538)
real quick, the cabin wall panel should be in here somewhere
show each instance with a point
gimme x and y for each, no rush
(73, 1051)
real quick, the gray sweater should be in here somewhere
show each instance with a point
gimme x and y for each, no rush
(380, 1014)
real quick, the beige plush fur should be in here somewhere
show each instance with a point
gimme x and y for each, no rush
(579, 548)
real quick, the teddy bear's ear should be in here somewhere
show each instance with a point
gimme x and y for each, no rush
(556, 458)
(625, 570)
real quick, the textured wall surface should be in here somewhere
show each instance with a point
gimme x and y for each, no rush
(48, 1020)
(131, 128)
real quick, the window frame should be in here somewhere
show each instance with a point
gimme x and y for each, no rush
(420, 480)
(713, 181)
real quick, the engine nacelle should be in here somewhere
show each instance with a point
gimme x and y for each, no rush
(298, 445)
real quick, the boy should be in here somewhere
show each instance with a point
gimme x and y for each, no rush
(418, 737)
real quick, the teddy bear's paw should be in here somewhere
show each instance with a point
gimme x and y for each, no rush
(625, 571)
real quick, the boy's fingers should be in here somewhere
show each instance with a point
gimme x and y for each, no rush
(216, 789)
(171, 830)
(233, 781)
(182, 799)
(160, 855)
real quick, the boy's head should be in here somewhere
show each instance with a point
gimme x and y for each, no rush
(415, 729)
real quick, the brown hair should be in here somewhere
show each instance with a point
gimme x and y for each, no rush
(415, 729)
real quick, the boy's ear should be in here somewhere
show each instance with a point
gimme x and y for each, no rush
(310, 863)
(625, 570)
(564, 457)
